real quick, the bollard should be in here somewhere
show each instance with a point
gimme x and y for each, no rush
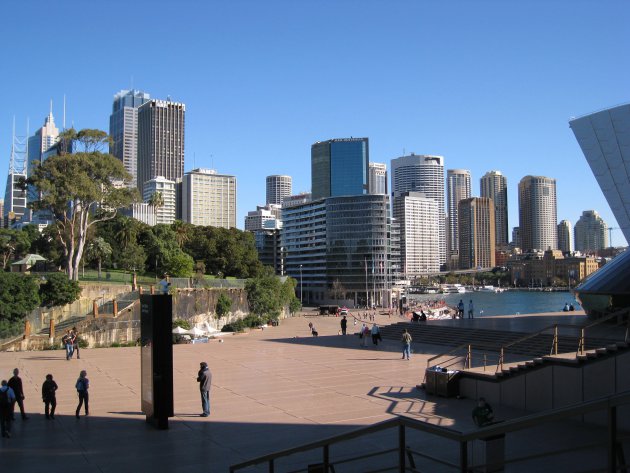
(152, 289)
(27, 329)
(95, 308)
(52, 328)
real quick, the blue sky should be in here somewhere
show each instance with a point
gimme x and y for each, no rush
(486, 84)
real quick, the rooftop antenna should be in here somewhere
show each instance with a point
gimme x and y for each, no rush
(194, 160)
(132, 82)
(404, 151)
(51, 106)
(212, 161)
(168, 98)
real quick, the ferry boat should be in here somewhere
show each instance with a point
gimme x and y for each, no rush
(453, 289)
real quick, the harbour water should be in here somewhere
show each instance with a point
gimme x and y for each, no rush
(506, 303)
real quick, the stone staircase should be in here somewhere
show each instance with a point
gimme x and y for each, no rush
(488, 340)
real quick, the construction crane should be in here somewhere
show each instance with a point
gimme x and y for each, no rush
(610, 229)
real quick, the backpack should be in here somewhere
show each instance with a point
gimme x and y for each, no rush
(80, 385)
(4, 399)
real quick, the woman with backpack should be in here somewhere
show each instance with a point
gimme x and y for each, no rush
(83, 384)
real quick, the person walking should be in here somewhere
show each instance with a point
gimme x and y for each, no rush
(376, 335)
(344, 325)
(67, 342)
(75, 342)
(7, 398)
(49, 396)
(15, 383)
(406, 341)
(204, 378)
(460, 309)
(82, 386)
(471, 310)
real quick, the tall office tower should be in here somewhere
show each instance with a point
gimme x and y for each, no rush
(14, 208)
(493, 185)
(378, 178)
(591, 232)
(457, 188)
(476, 233)
(278, 187)
(166, 213)
(123, 129)
(339, 167)
(38, 144)
(565, 239)
(209, 199)
(516, 237)
(425, 174)
(603, 139)
(160, 141)
(418, 218)
(537, 209)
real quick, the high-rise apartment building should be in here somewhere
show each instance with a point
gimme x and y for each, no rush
(591, 232)
(458, 187)
(339, 167)
(565, 239)
(603, 139)
(378, 178)
(493, 185)
(476, 233)
(209, 199)
(278, 187)
(42, 140)
(160, 141)
(123, 129)
(266, 217)
(538, 217)
(418, 218)
(424, 174)
(167, 212)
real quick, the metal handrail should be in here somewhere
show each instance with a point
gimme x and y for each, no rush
(607, 402)
(554, 349)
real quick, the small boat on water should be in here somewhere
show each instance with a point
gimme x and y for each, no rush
(453, 289)
(496, 290)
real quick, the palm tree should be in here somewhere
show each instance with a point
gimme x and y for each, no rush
(126, 232)
(157, 201)
(182, 232)
(98, 249)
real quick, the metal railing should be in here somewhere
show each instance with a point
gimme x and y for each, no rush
(405, 462)
(465, 354)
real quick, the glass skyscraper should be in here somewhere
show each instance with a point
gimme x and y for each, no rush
(339, 167)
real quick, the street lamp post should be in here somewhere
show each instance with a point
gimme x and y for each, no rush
(301, 287)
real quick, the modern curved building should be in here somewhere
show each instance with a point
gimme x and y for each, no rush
(604, 137)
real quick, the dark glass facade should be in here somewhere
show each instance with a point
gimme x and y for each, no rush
(339, 167)
(357, 246)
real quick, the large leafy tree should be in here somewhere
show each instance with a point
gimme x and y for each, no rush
(18, 296)
(59, 290)
(267, 295)
(13, 243)
(81, 189)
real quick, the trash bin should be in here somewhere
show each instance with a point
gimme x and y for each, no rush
(441, 382)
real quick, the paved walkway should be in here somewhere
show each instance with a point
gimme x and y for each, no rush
(271, 389)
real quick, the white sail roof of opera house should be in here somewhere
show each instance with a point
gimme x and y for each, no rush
(604, 137)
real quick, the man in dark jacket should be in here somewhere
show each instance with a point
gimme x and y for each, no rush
(204, 378)
(15, 383)
(49, 396)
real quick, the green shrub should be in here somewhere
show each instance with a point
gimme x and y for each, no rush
(185, 324)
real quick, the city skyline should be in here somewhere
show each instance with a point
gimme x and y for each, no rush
(488, 107)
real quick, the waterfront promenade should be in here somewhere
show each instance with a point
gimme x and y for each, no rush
(270, 391)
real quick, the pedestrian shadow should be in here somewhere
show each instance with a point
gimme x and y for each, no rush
(51, 358)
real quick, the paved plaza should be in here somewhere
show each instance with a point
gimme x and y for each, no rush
(271, 390)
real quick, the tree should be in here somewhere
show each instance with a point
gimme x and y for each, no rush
(81, 189)
(59, 290)
(97, 250)
(265, 295)
(133, 258)
(182, 232)
(178, 264)
(157, 202)
(13, 243)
(338, 291)
(18, 296)
(224, 304)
